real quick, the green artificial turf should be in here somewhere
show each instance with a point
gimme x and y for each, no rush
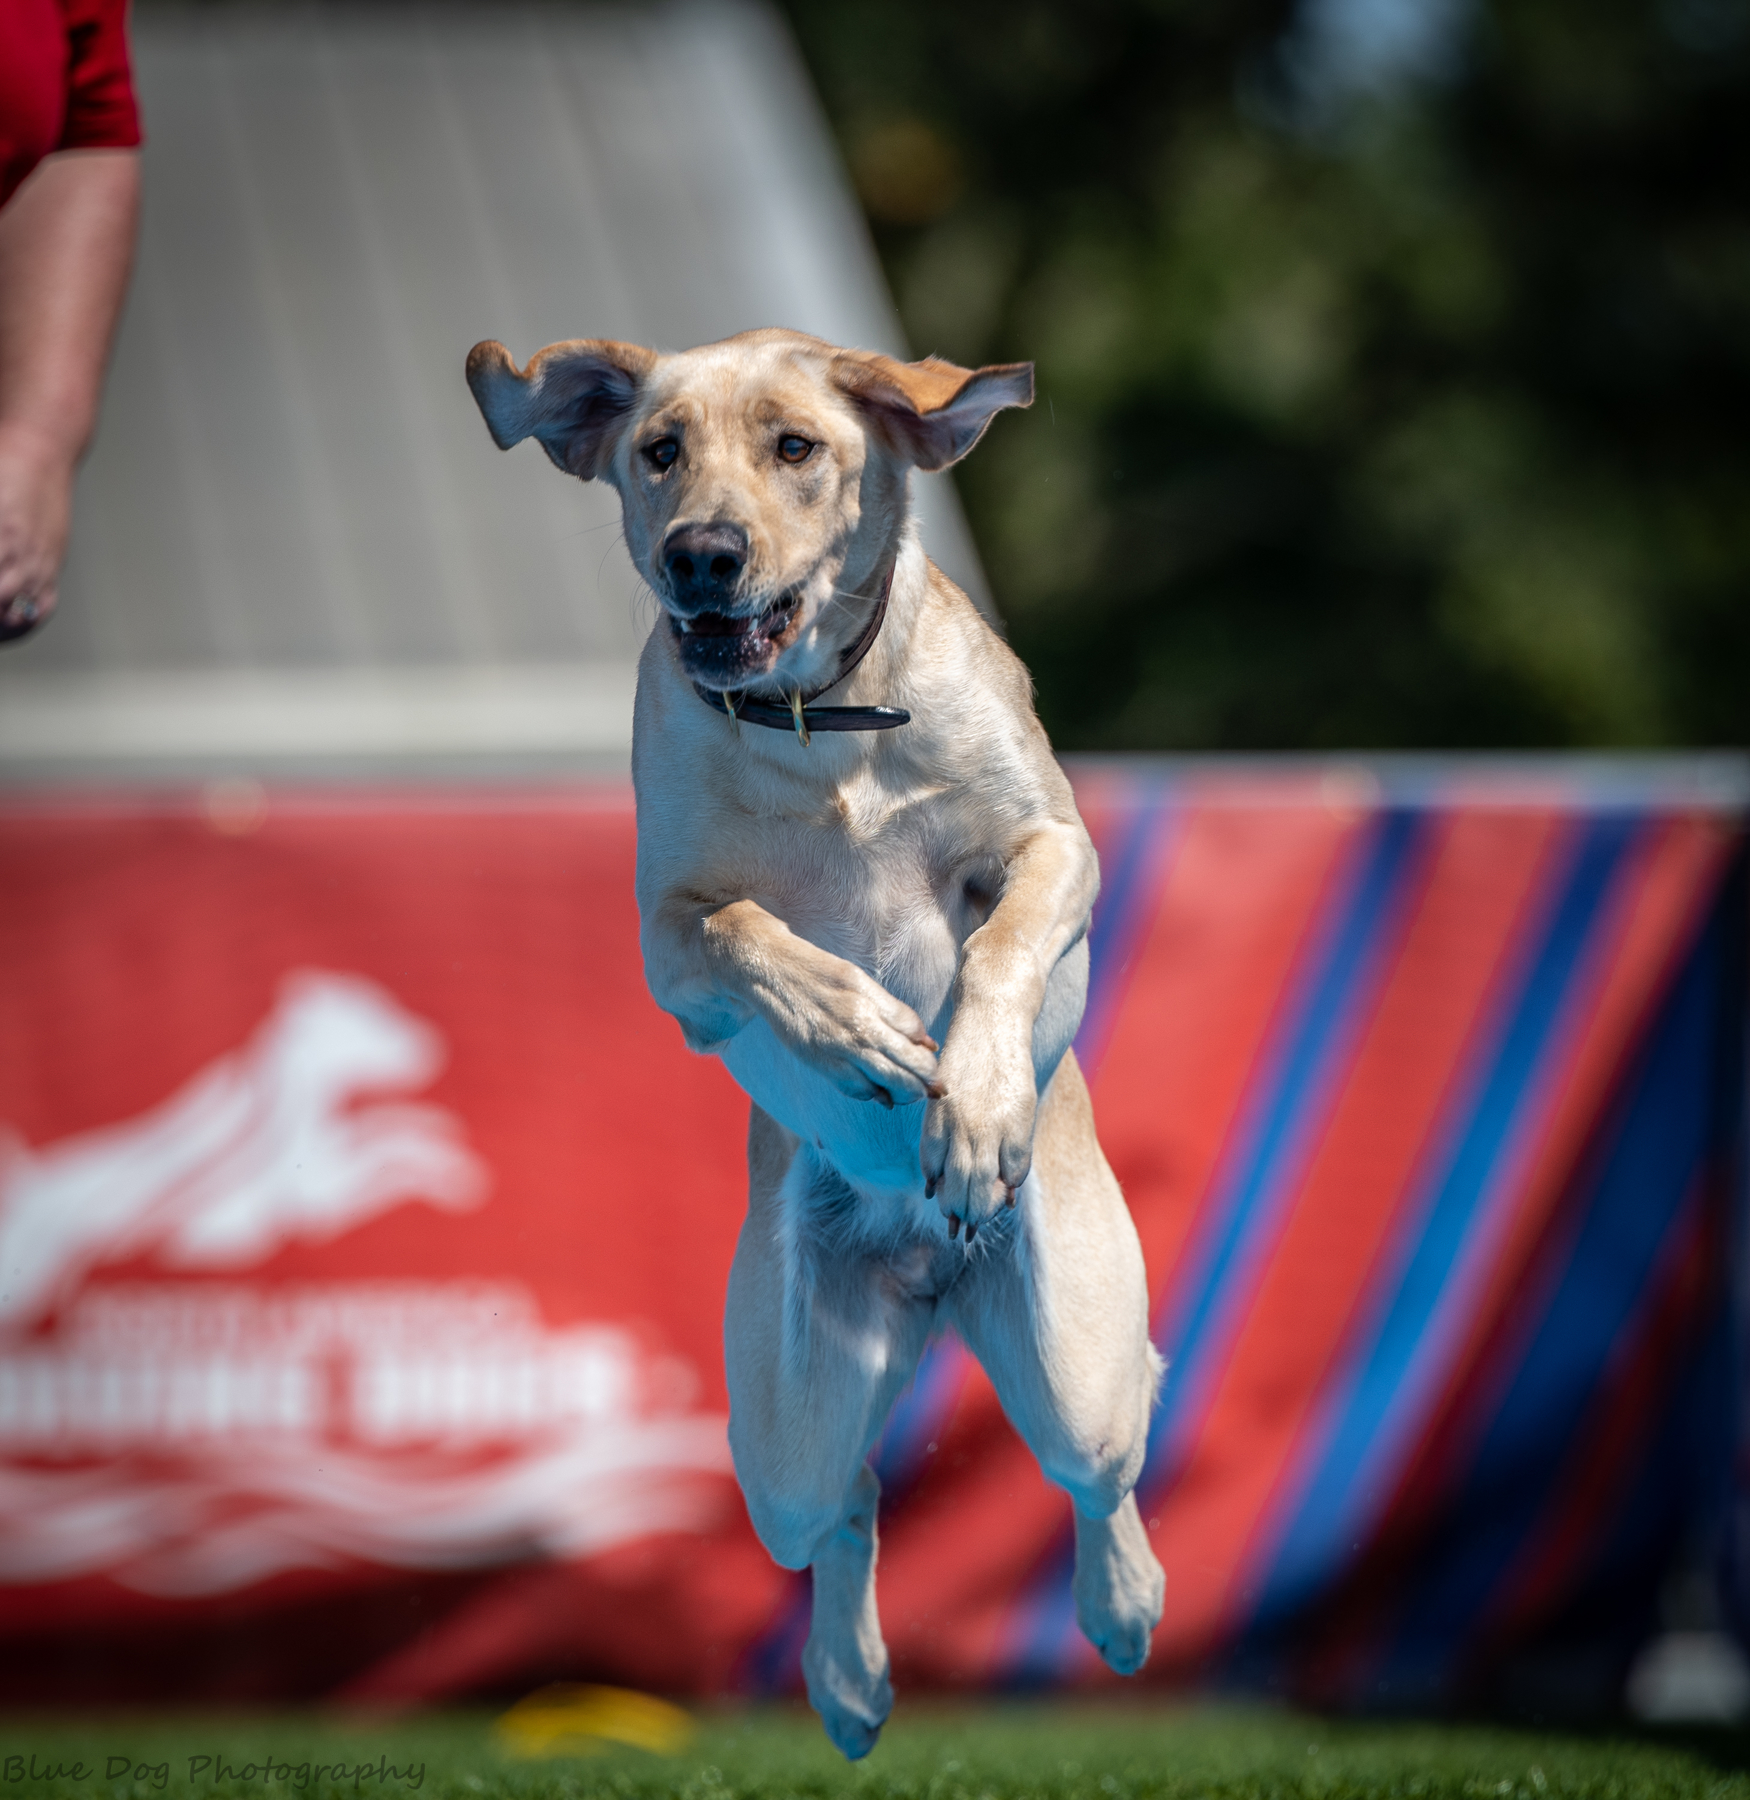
(1048, 1750)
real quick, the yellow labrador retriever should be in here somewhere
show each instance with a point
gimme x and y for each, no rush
(863, 883)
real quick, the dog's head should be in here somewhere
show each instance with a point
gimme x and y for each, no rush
(761, 479)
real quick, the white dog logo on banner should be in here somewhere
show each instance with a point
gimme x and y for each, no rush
(263, 1147)
(165, 1432)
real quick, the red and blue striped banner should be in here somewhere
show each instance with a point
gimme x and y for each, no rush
(1426, 1112)
(363, 1233)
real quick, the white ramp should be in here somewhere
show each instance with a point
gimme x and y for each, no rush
(296, 549)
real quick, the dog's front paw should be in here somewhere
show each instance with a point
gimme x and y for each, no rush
(866, 1041)
(977, 1141)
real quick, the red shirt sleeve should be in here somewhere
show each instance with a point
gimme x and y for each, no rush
(101, 114)
(65, 83)
(33, 86)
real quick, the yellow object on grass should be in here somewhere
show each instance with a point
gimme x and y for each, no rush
(569, 1720)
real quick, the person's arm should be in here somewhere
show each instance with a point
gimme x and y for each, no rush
(66, 246)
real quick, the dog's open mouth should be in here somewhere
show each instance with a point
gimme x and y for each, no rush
(728, 650)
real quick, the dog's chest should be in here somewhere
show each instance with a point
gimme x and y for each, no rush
(881, 883)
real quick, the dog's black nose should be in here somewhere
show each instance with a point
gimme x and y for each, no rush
(704, 562)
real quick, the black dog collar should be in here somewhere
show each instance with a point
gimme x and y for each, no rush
(801, 715)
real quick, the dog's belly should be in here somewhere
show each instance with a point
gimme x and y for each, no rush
(873, 1148)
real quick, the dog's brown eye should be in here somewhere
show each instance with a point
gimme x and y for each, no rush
(794, 449)
(662, 452)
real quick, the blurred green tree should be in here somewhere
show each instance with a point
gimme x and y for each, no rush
(1392, 389)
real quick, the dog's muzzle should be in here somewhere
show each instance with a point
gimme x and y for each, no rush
(729, 649)
(726, 637)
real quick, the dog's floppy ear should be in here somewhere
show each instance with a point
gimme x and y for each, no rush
(932, 411)
(569, 398)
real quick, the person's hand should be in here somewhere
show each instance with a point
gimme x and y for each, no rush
(66, 242)
(36, 494)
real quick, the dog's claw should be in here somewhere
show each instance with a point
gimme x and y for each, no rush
(884, 1097)
(930, 1044)
(935, 1090)
(1009, 1196)
(971, 1230)
(953, 1225)
(929, 1187)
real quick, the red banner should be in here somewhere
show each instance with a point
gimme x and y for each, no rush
(361, 1220)
(364, 1230)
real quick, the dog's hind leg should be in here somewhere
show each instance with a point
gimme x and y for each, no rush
(1056, 1309)
(818, 1341)
(844, 1661)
